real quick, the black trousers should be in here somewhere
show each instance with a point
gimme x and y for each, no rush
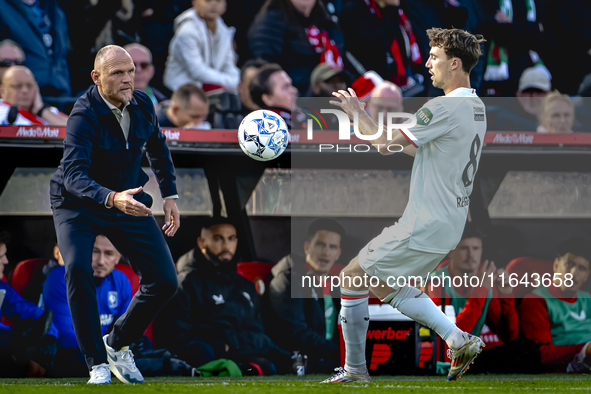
(138, 238)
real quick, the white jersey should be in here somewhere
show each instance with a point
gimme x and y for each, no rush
(449, 136)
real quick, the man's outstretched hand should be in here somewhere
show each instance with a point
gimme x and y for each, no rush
(172, 218)
(125, 202)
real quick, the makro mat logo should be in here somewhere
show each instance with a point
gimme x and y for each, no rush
(387, 122)
(37, 132)
(171, 135)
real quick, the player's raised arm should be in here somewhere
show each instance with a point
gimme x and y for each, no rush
(350, 104)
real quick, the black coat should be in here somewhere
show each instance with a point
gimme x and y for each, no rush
(273, 36)
(215, 307)
(97, 159)
(567, 24)
(369, 38)
(48, 64)
(518, 38)
(297, 319)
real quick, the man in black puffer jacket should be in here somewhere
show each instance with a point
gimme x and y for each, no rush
(216, 312)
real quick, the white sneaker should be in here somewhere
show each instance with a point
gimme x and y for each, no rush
(342, 376)
(462, 357)
(122, 364)
(100, 374)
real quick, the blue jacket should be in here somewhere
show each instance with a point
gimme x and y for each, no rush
(14, 308)
(48, 64)
(97, 160)
(113, 295)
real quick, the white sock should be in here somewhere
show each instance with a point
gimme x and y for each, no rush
(455, 338)
(354, 323)
(417, 305)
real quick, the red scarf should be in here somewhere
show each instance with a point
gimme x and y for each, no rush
(34, 119)
(329, 53)
(414, 54)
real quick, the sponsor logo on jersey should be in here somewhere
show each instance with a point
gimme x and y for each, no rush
(113, 299)
(106, 319)
(219, 299)
(580, 317)
(247, 296)
(424, 116)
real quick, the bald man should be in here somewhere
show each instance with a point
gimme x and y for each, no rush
(11, 54)
(98, 189)
(20, 89)
(144, 71)
(386, 97)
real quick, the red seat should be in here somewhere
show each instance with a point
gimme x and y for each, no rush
(527, 266)
(134, 279)
(24, 271)
(256, 273)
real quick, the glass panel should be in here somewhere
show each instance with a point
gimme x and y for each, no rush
(305, 192)
(27, 192)
(537, 194)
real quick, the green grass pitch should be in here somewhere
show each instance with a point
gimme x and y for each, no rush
(522, 384)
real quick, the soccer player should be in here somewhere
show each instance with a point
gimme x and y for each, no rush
(446, 143)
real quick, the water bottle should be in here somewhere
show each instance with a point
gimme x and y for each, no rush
(299, 364)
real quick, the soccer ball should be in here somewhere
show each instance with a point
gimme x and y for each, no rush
(263, 135)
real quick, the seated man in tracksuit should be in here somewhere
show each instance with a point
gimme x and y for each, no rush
(558, 317)
(113, 292)
(27, 335)
(488, 310)
(303, 317)
(216, 312)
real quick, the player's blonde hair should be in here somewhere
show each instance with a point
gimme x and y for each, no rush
(457, 43)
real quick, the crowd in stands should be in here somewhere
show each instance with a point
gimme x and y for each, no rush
(220, 319)
(532, 48)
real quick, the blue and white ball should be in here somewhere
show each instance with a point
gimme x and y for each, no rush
(263, 135)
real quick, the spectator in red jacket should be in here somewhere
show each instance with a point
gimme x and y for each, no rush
(558, 317)
(488, 310)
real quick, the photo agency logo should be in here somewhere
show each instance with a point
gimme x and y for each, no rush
(329, 119)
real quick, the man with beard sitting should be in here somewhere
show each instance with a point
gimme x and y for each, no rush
(216, 312)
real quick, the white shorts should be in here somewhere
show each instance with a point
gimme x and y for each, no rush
(388, 257)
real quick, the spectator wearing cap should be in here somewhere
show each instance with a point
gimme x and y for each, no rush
(201, 51)
(557, 114)
(20, 93)
(247, 73)
(326, 79)
(298, 35)
(557, 317)
(534, 85)
(189, 107)
(144, 71)
(302, 315)
(272, 89)
(40, 28)
(11, 54)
